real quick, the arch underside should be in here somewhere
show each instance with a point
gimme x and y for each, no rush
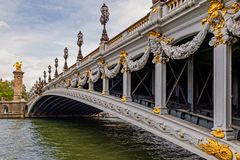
(56, 105)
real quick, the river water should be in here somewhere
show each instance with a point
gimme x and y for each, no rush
(83, 139)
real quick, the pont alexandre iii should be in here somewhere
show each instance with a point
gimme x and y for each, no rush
(174, 73)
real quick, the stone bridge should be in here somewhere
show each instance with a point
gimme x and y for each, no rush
(174, 73)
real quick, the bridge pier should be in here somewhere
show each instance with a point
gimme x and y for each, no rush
(105, 89)
(223, 90)
(160, 87)
(126, 85)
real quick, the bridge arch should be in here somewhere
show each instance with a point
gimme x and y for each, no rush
(87, 102)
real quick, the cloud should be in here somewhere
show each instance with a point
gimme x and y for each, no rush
(3, 25)
(36, 32)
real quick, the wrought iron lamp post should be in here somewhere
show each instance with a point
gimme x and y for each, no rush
(49, 71)
(65, 56)
(104, 19)
(80, 43)
(56, 66)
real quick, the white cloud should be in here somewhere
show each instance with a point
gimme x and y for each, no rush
(3, 25)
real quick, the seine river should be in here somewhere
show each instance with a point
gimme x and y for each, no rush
(83, 139)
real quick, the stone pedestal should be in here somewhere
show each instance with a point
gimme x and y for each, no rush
(18, 85)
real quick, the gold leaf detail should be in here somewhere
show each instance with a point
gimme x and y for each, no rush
(156, 110)
(237, 156)
(218, 133)
(123, 99)
(123, 56)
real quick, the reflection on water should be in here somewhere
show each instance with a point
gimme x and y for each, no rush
(83, 139)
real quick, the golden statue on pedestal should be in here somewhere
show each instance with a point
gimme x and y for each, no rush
(18, 66)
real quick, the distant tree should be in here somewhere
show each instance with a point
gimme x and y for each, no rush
(25, 93)
(6, 90)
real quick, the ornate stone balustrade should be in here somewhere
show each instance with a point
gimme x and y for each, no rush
(173, 4)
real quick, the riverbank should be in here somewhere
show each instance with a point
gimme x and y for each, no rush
(13, 109)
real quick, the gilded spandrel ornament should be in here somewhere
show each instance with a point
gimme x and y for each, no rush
(213, 147)
(18, 66)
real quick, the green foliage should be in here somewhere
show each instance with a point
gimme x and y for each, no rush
(25, 94)
(6, 90)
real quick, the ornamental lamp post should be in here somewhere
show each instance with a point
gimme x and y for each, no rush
(40, 82)
(80, 43)
(104, 19)
(49, 71)
(56, 66)
(65, 56)
(44, 76)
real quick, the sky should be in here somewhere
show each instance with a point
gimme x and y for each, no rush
(37, 31)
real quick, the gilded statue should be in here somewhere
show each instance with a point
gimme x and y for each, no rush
(18, 66)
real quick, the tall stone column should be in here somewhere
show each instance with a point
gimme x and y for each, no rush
(105, 89)
(126, 85)
(190, 97)
(223, 90)
(18, 85)
(160, 87)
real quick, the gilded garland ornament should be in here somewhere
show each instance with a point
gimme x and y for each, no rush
(222, 21)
